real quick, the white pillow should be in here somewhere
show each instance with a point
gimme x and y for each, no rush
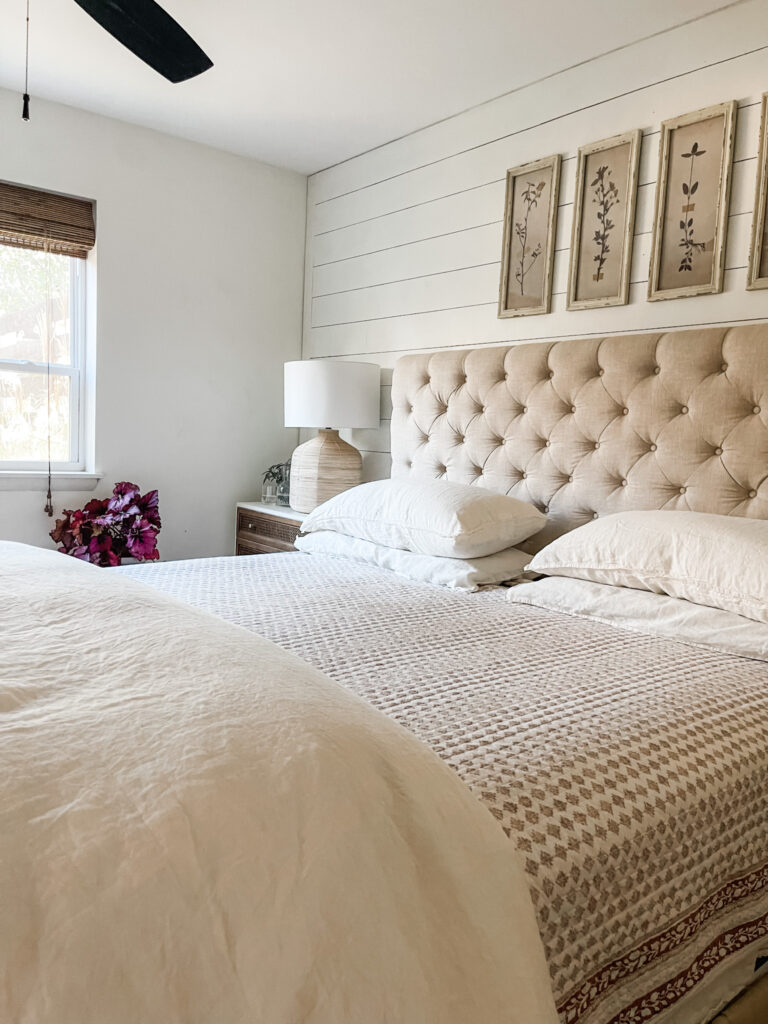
(446, 572)
(720, 561)
(433, 517)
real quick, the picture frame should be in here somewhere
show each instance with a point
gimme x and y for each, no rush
(688, 245)
(757, 266)
(528, 247)
(602, 238)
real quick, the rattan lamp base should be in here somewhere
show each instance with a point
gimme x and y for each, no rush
(322, 467)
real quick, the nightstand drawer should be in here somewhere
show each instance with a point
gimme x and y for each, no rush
(248, 546)
(260, 533)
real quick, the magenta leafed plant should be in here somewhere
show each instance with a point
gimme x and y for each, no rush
(110, 529)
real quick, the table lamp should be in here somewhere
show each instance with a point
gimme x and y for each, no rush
(328, 394)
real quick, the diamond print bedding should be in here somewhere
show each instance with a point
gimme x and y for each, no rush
(630, 770)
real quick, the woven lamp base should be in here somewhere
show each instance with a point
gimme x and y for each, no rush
(322, 467)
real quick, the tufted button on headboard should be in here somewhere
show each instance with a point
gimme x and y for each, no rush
(583, 428)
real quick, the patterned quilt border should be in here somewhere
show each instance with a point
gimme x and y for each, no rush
(660, 998)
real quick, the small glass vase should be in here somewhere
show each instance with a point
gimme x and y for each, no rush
(283, 492)
(269, 492)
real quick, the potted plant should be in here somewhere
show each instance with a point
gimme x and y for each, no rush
(112, 530)
(275, 486)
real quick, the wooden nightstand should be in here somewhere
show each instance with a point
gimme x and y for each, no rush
(264, 529)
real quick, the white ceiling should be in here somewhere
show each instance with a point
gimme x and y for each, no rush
(305, 84)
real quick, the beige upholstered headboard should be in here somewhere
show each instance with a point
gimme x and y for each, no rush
(584, 428)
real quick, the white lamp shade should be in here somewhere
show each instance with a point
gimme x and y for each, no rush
(331, 393)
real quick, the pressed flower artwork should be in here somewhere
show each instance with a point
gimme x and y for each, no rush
(692, 203)
(529, 228)
(603, 222)
(757, 269)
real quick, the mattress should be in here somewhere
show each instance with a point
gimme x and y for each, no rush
(629, 770)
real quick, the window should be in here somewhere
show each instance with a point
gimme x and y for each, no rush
(45, 239)
(42, 314)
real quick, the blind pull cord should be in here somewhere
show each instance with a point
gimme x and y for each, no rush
(48, 333)
(25, 102)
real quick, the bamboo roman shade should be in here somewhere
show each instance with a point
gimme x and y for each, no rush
(32, 219)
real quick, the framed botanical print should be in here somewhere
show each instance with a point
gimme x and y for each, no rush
(528, 248)
(603, 222)
(692, 194)
(757, 269)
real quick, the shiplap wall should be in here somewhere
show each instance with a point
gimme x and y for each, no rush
(404, 242)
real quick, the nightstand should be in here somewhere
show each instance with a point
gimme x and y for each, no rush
(264, 529)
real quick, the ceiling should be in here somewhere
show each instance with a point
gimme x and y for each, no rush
(305, 84)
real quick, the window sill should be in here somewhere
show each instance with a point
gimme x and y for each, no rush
(32, 480)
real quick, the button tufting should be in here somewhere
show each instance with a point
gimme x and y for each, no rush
(551, 374)
(545, 510)
(756, 410)
(652, 448)
(525, 408)
(601, 372)
(460, 438)
(570, 479)
(684, 409)
(573, 408)
(623, 483)
(524, 476)
(594, 515)
(724, 368)
(597, 445)
(657, 370)
(753, 494)
(625, 412)
(547, 444)
(683, 490)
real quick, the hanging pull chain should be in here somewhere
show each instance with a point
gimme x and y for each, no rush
(25, 102)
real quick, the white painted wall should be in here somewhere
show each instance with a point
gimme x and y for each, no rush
(199, 267)
(404, 242)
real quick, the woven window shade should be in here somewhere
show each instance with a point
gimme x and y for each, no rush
(31, 219)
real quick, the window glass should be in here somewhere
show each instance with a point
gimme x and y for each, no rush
(41, 304)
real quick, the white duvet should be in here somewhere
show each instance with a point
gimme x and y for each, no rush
(197, 827)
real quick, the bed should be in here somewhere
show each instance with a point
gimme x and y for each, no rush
(279, 812)
(627, 767)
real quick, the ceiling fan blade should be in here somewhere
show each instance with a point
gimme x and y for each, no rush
(149, 32)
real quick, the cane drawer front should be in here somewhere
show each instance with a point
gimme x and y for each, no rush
(260, 533)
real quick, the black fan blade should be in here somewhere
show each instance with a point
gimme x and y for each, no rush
(152, 34)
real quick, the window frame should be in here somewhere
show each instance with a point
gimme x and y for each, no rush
(77, 373)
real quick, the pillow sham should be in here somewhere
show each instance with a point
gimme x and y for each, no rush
(720, 561)
(431, 517)
(459, 574)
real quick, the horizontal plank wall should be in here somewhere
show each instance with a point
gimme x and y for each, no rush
(404, 243)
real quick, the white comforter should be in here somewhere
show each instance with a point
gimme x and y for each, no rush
(198, 828)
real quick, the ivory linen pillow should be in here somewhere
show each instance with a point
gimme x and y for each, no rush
(432, 517)
(457, 573)
(720, 561)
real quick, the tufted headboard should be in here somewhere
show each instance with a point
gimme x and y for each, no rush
(584, 428)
